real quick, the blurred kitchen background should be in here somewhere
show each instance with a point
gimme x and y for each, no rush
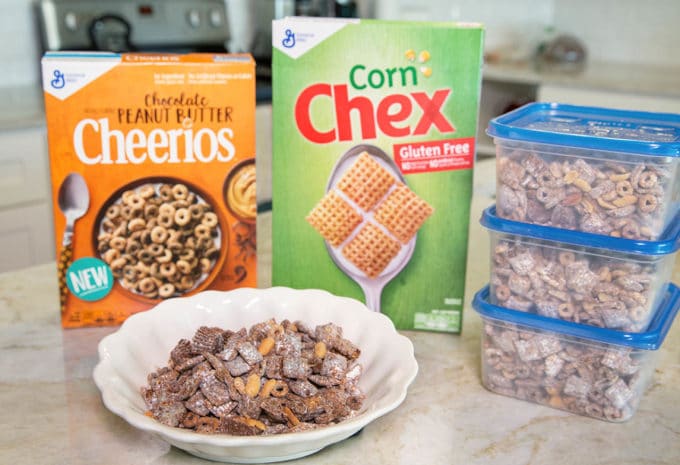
(616, 53)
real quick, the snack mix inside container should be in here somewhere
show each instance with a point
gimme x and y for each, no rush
(594, 280)
(590, 371)
(589, 169)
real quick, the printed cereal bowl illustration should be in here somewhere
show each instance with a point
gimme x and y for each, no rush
(369, 219)
(296, 372)
(161, 237)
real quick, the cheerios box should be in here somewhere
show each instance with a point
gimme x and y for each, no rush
(374, 147)
(152, 160)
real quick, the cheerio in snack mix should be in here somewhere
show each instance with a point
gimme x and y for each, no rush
(374, 147)
(152, 160)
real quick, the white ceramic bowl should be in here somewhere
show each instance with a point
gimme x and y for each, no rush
(143, 344)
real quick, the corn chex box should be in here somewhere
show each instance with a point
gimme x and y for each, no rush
(374, 147)
(153, 178)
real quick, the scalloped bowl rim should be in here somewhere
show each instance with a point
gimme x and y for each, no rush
(104, 372)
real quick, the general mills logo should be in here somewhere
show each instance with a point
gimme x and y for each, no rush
(58, 82)
(289, 40)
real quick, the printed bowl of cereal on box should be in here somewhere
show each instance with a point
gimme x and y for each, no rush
(255, 375)
(369, 219)
(597, 170)
(162, 238)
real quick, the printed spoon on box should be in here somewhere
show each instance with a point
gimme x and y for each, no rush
(74, 200)
(371, 286)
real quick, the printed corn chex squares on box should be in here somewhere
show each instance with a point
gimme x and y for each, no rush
(152, 160)
(374, 145)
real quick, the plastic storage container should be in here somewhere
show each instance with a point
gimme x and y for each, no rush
(581, 277)
(595, 372)
(597, 170)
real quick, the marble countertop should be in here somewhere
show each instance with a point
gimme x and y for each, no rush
(53, 413)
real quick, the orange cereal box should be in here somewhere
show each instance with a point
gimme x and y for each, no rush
(152, 160)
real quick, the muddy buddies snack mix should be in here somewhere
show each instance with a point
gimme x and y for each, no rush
(588, 169)
(583, 239)
(579, 287)
(598, 382)
(270, 379)
(610, 283)
(617, 199)
(590, 371)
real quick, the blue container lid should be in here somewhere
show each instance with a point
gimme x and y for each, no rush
(668, 243)
(644, 133)
(648, 340)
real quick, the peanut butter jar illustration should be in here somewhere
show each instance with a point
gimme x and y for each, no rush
(240, 191)
(162, 238)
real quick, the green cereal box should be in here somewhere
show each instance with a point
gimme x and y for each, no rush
(374, 147)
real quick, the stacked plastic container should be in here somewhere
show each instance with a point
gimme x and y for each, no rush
(584, 234)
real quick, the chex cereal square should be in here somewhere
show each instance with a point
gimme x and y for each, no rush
(334, 218)
(403, 212)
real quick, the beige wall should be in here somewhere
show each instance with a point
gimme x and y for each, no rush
(629, 31)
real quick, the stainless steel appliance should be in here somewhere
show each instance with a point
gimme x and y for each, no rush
(124, 25)
(172, 25)
(176, 26)
(251, 20)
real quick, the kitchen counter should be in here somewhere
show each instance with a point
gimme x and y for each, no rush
(53, 414)
(656, 80)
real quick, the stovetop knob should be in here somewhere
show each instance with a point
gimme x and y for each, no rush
(110, 32)
(71, 21)
(194, 18)
(216, 18)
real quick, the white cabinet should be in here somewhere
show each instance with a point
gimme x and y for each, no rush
(26, 236)
(498, 97)
(26, 221)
